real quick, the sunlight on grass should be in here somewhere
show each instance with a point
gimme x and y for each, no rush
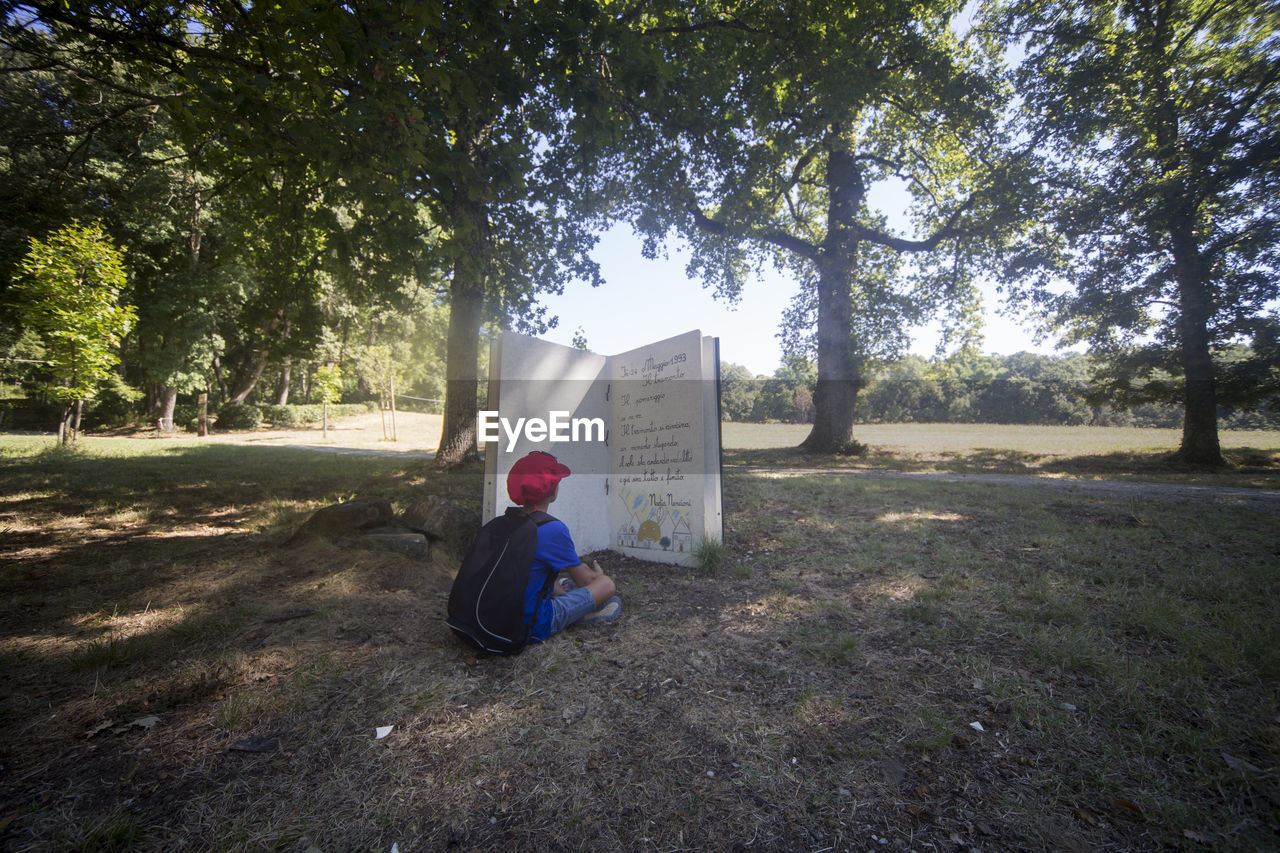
(920, 516)
(959, 438)
(897, 589)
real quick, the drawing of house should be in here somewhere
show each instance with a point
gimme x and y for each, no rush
(627, 535)
(681, 536)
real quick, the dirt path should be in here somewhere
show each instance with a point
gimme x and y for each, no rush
(419, 434)
(1114, 488)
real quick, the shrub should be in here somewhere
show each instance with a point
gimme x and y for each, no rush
(281, 417)
(239, 416)
(110, 409)
(309, 414)
(186, 416)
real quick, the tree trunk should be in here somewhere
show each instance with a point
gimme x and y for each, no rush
(282, 387)
(248, 380)
(392, 394)
(64, 426)
(458, 438)
(222, 380)
(838, 380)
(168, 398)
(75, 426)
(466, 305)
(1200, 415)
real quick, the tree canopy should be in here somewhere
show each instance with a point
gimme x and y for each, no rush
(299, 184)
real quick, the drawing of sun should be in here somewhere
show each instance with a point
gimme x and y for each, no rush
(649, 532)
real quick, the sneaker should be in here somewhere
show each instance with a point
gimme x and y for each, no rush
(606, 612)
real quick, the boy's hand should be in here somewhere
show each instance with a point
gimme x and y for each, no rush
(583, 574)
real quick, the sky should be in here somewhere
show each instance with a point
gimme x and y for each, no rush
(645, 300)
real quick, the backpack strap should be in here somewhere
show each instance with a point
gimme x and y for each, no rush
(539, 518)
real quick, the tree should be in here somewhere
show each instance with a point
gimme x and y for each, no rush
(787, 396)
(1161, 235)
(328, 388)
(69, 294)
(738, 390)
(762, 132)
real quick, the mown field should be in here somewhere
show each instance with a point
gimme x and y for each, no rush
(1120, 453)
(884, 663)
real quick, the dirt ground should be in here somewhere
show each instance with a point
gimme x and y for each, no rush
(883, 664)
(413, 432)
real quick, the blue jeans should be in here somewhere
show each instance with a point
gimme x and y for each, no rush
(569, 608)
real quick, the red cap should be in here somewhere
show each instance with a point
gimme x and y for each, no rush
(534, 477)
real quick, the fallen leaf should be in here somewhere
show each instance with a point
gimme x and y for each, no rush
(1239, 764)
(140, 723)
(921, 812)
(100, 728)
(1128, 807)
(256, 743)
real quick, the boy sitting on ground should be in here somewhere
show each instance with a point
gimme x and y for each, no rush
(533, 484)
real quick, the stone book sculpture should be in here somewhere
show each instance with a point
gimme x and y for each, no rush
(640, 431)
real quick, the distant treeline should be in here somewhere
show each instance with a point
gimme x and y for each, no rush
(1024, 388)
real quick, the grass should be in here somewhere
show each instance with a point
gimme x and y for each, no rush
(817, 691)
(1118, 453)
(708, 556)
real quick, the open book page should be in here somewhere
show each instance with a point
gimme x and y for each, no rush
(666, 474)
(534, 380)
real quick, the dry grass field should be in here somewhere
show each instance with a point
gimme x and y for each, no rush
(1045, 451)
(879, 663)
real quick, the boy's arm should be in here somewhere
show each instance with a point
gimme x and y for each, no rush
(583, 574)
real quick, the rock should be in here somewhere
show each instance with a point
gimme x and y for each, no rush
(443, 522)
(345, 519)
(410, 544)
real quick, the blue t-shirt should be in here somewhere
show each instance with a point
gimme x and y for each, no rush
(555, 551)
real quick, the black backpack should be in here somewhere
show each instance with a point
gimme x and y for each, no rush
(486, 604)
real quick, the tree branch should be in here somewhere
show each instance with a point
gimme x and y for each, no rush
(949, 230)
(132, 39)
(777, 238)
